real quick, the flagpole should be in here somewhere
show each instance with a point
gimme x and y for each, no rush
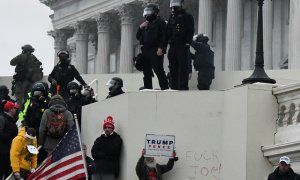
(78, 132)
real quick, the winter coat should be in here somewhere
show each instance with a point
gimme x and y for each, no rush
(34, 113)
(75, 105)
(180, 29)
(8, 131)
(63, 74)
(203, 59)
(142, 171)
(115, 93)
(49, 143)
(290, 175)
(106, 153)
(20, 157)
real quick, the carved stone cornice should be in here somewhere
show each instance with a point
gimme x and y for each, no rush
(145, 2)
(81, 27)
(49, 2)
(60, 35)
(126, 12)
(103, 22)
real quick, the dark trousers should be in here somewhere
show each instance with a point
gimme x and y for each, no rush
(152, 61)
(5, 169)
(179, 65)
(203, 82)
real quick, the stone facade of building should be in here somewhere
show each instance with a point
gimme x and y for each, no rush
(101, 33)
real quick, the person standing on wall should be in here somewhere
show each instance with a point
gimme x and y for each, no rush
(203, 61)
(152, 34)
(180, 31)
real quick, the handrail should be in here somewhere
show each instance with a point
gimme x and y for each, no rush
(95, 81)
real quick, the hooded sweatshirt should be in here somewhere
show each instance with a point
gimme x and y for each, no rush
(20, 157)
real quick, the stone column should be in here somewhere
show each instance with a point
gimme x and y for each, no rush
(268, 32)
(72, 51)
(205, 17)
(60, 41)
(294, 35)
(126, 54)
(82, 38)
(102, 59)
(233, 35)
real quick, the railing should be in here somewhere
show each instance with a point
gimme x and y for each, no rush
(95, 81)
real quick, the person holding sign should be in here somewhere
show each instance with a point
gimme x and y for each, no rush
(148, 169)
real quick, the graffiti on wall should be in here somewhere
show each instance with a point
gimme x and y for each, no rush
(203, 165)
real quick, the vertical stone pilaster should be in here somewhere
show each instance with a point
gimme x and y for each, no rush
(205, 17)
(72, 51)
(82, 38)
(126, 54)
(60, 41)
(294, 35)
(102, 59)
(233, 35)
(267, 32)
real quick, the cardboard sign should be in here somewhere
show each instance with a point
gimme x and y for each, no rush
(159, 145)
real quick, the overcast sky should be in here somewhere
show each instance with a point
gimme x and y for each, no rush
(25, 22)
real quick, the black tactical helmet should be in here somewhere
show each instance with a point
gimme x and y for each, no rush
(63, 52)
(177, 3)
(73, 85)
(38, 86)
(201, 38)
(27, 48)
(45, 85)
(151, 8)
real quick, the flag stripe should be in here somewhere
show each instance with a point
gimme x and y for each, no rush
(66, 161)
(40, 169)
(58, 166)
(69, 171)
(78, 176)
(62, 169)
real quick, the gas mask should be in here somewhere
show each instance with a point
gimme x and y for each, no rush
(150, 17)
(39, 95)
(73, 92)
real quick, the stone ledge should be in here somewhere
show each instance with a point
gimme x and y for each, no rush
(274, 152)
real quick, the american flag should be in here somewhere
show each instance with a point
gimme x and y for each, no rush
(65, 162)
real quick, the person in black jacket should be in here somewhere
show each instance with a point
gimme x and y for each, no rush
(284, 171)
(147, 168)
(8, 131)
(180, 31)
(76, 100)
(115, 85)
(151, 34)
(62, 74)
(4, 96)
(203, 61)
(106, 151)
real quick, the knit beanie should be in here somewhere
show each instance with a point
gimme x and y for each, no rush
(108, 122)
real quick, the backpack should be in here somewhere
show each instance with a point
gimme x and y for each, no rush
(56, 125)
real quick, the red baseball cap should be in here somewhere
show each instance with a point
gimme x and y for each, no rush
(9, 105)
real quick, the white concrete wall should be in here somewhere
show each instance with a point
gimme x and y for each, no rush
(224, 80)
(216, 131)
